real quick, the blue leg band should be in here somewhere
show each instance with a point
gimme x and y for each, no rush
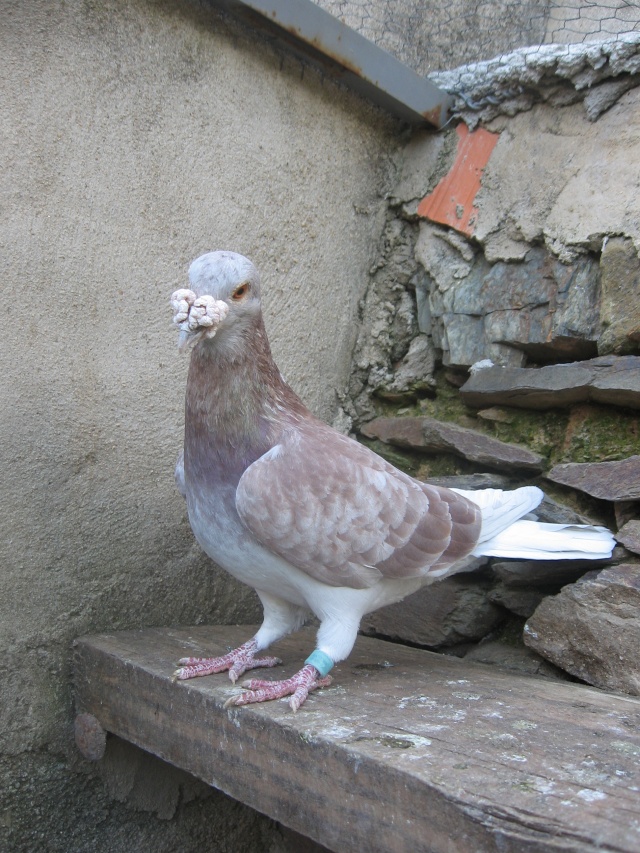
(322, 662)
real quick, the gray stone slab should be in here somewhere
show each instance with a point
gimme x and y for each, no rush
(629, 536)
(620, 299)
(549, 575)
(455, 610)
(483, 480)
(611, 380)
(427, 434)
(592, 629)
(522, 602)
(611, 481)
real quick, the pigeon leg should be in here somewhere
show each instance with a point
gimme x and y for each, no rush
(237, 662)
(298, 687)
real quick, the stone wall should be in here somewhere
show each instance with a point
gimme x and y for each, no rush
(540, 263)
(501, 345)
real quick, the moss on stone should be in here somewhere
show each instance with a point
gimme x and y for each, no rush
(601, 434)
(585, 433)
(542, 432)
(418, 463)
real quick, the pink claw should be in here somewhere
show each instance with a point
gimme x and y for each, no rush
(237, 662)
(298, 687)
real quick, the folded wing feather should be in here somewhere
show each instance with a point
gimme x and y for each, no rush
(342, 514)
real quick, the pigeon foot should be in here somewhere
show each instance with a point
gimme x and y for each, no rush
(298, 687)
(237, 662)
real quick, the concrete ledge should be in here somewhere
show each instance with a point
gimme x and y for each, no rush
(407, 751)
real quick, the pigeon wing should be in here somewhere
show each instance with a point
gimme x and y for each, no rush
(339, 512)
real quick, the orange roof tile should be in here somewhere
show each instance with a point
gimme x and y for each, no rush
(451, 202)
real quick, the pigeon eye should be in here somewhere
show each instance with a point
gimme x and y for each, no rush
(241, 291)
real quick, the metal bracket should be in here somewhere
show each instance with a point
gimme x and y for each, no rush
(315, 35)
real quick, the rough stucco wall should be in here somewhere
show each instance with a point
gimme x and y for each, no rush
(138, 135)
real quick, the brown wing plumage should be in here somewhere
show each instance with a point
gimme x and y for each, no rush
(339, 512)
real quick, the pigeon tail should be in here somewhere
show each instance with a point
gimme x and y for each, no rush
(535, 540)
(505, 533)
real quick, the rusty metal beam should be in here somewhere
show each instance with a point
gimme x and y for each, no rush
(315, 35)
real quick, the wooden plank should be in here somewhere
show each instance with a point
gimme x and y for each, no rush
(407, 751)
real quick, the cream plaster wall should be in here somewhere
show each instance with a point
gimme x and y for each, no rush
(137, 135)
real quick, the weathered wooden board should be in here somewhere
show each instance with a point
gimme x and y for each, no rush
(407, 751)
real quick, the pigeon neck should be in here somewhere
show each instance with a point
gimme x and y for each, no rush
(237, 404)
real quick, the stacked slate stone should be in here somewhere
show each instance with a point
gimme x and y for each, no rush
(545, 391)
(507, 352)
(582, 617)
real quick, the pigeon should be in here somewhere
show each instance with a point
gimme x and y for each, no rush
(314, 521)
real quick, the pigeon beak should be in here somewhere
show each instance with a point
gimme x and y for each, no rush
(185, 339)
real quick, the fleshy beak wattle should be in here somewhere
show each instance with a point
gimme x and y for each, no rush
(196, 317)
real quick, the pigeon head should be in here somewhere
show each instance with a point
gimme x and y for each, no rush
(226, 276)
(223, 301)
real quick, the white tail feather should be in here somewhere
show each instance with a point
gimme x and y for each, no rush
(505, 534)
(501, 509)
(534, 540)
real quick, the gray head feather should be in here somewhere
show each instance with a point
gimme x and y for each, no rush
(219, 273)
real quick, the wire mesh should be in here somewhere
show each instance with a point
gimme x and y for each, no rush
(431, 35)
